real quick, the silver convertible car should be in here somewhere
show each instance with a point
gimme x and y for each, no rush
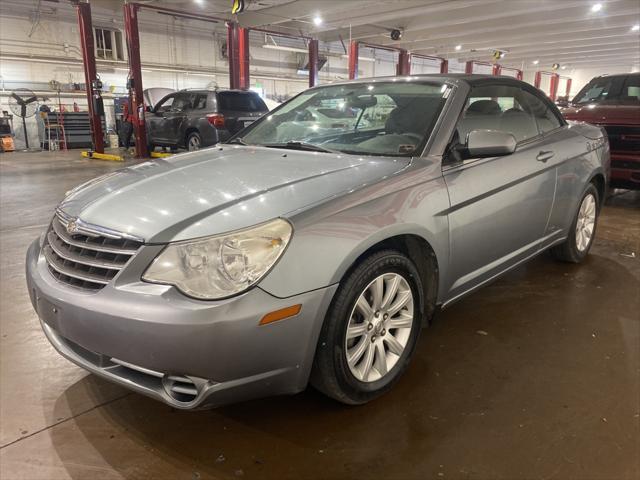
(302, 253)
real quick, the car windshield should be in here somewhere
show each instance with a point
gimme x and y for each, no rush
(376, 118)
(618, 89)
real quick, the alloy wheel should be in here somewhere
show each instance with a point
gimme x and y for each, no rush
(194, 143)
(379, 327)
(586, 222)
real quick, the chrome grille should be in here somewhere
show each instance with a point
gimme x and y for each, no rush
(84, 255)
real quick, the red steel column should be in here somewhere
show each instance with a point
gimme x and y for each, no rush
(496, 69)
(444, 66)
(313, 63)
(404, 63)
(89, 64)
(537, 79)
(243, 58)
(135, 78)
(233, 53)
(353, 59)
(519, 75)
(553, 86)
(468, 68)
(568, 91)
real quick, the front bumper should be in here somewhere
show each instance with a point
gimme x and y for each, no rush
(625, 170)
(144, 336)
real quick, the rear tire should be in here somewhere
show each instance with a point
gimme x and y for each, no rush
(583, 229)
(194, 141)
(371, 329)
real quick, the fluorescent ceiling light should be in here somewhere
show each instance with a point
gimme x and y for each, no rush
(535, 62)
(635, 28)
(317, 20)
(596, 7)
(364, 59)
(199, 2)
(284, 48)
(458, 48)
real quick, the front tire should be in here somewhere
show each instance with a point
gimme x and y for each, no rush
(371, 329)
(583, 229)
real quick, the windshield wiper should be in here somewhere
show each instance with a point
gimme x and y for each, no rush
(299, 146)
(236, 141)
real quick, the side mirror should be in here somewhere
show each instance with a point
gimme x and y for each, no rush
(490, 143)
(562, 101)
(148, 109)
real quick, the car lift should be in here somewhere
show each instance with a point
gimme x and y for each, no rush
(496, 68)
(404, 58)
(554, 83)
(92, 85)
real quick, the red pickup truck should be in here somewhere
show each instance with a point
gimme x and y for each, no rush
(613, 102)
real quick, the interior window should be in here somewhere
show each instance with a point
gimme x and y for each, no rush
(542, 112)
(165, 105)
(498, 107)
(182, 102)
(631, 90)
(200, 101)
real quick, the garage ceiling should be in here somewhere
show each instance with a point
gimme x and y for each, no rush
(573, 33)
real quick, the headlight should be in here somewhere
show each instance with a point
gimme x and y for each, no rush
(221, 266)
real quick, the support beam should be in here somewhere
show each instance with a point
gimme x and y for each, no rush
(568, 88)
(496, 69)
(90, 75)
(553, 86)
(313, 63)
(354, 49)
(136, 97)
(404, 63)
(468, 68)
(232, 55)
(444, 66)
(243, 58)
(537, 80)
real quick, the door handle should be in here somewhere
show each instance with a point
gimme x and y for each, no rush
(543, 156)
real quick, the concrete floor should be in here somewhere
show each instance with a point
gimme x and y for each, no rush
(536, 376)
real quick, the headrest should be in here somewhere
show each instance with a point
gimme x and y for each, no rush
(484, 107)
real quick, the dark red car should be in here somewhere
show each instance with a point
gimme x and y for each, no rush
(613, 102)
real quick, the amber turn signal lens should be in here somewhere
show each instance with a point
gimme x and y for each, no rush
(281, 314)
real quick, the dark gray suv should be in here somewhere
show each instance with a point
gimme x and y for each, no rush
(193, 119)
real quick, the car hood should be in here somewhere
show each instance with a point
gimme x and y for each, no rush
(219, 189)
(604, 114)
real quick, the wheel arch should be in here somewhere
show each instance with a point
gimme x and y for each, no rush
(599, 181)
(421, 253)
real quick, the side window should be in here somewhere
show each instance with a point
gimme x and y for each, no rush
(631, 90)
(200, 101)
(182, 102)
(498, 107)
(545, 118)
(165, 105)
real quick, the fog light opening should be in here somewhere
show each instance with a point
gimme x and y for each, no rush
(179, 388)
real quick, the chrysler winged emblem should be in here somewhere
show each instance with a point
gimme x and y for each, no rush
(72, 227)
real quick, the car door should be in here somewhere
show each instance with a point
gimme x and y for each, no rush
(156, 121)
(500, 206)
(175, 117)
